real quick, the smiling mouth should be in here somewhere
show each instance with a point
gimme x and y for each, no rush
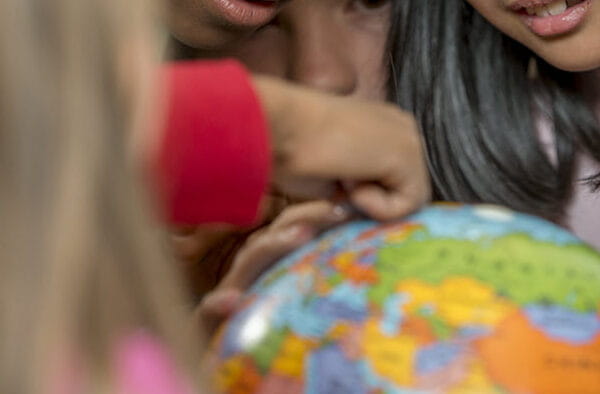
(548, 18)
(545, 8)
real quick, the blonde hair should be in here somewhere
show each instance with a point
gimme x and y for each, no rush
(82, 263)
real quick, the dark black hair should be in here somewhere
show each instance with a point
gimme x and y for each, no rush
(470, 89)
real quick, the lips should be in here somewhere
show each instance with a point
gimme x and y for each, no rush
(551, 17)
(519, 4)
(245, 13)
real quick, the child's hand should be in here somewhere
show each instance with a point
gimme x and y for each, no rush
(320, 140)
(191, 245)
(296, 225)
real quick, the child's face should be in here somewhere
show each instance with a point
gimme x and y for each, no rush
(332, 45)
(566, 33)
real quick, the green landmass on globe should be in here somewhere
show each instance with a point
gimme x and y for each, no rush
(454, 299)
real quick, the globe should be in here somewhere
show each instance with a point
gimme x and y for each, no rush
(454, 299)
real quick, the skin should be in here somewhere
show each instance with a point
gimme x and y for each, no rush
(335, 46)
(578, 50)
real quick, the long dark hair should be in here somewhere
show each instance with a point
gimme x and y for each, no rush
(470, 89)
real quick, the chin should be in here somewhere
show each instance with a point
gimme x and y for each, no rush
(572, 61)
(574, 64)
(578, 52)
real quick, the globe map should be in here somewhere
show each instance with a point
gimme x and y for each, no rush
(454, 299)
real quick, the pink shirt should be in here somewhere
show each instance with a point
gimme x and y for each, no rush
(143, 365)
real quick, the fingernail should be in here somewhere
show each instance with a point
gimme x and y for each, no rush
(340, 212)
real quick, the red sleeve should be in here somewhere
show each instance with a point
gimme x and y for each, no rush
(214, 163)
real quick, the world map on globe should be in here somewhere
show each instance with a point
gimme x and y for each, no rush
(454, 299)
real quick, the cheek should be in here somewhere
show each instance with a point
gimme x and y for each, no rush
(265, 52)
(367, 41)
(371, 58)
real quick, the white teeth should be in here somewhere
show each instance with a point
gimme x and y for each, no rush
(540, 10)
(555, 8)
(543, 11)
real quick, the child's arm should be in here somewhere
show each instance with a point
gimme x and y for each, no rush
(215, 159)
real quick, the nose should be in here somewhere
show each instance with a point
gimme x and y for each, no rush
(318, 56)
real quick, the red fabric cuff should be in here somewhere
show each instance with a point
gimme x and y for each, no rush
(214, 164)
